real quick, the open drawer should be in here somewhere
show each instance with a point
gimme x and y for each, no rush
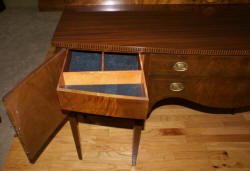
(103, 83)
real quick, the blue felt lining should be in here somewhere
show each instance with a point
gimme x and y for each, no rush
(92, 61)
(85, 61)
(120, 89)
(116, 61)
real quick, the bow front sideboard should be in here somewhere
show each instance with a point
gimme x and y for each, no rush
(121, 61)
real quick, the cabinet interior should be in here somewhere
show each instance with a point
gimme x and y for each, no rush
(103, 72)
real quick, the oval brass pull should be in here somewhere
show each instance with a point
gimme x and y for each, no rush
(180, 66)
(176, 87)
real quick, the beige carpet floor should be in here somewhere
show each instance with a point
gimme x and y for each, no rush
(25, 35)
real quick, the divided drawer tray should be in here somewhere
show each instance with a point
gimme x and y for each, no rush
(103, 83)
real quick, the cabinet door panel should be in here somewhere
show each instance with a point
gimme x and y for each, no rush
(33, 106)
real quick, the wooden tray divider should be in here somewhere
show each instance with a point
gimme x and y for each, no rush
(67, 60)
(102, 61)
(103, 77)
(143, 80)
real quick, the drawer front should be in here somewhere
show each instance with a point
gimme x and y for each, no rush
(102, 104)
(194, 65)
(216, 92)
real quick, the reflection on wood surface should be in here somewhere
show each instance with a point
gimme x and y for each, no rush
(121, 2)
(57, 5)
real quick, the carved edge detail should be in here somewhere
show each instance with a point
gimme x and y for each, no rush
(116, 48)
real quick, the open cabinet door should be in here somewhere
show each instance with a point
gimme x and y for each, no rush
(33, 107)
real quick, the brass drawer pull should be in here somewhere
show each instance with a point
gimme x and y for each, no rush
(176, 87)
(180, 66)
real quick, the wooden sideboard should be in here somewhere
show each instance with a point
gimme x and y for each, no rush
(212, 40)
(122, 61)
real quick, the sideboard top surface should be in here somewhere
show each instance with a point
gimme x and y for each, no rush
(180, 29)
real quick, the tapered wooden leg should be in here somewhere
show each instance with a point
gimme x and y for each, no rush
(75, 131)
(136, 140)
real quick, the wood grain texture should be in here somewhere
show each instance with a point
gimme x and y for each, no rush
(103, 104)
(33, 106)
(215, 92)
(136, 140)
(202, 29)
(56, 5)
(213, 81)
(122, 2)
(200, 66)
(102, 77)
(76, 135)
(174, 138)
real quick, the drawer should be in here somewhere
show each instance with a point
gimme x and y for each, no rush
(216, 92)
(102, 83)
(197, 65)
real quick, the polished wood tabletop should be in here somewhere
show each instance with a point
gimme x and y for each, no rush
(182, 29)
